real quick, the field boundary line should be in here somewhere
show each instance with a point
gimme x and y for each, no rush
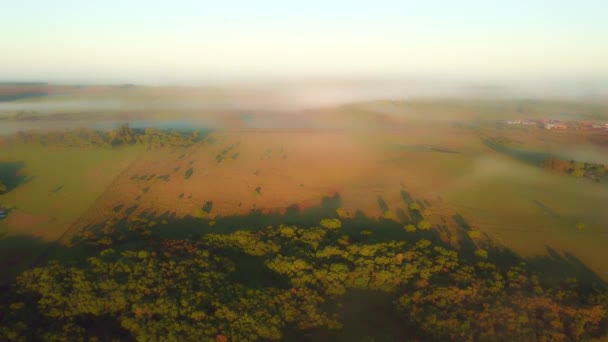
(77, 224)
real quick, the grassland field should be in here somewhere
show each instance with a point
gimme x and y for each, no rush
(368, 153)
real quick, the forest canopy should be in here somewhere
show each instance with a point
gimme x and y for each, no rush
(283, 281)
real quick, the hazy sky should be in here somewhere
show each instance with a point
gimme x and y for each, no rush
(152, 41)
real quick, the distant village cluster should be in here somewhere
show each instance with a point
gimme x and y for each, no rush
(560, 124)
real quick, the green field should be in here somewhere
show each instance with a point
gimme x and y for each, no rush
(60, 185)
(314, 215)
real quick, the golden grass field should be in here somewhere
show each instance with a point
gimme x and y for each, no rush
(380, 150)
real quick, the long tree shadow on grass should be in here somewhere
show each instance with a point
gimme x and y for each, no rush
(253, 272)
(11, 175)
(532, 158)
(557, 267)
(367, 316)
(19, 252)
(498, 254)
(552, 213)
(360, 228)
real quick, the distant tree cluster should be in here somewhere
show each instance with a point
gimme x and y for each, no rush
(499, 141)
(222, 154)
(121, 136)
(253, 285)
(593, 171)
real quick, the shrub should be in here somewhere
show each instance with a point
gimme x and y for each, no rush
(481, 253)
(424, 225)
(474, 234)
(410, 228)
(331, 223)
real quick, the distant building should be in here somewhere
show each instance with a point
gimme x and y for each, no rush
(585, 123)
(521, 122)
(556, 125)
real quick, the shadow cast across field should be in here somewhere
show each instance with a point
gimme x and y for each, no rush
(360, 228)
(382, 325)
(556, 267)
(19, 252)
(254, 273)
(545, 209)
(367, 316)
(11, 176)
(499, 255)
(532, 158)
(358, 325)
(426, 148)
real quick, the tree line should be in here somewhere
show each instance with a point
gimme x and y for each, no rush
(123, 135)
(594, 171)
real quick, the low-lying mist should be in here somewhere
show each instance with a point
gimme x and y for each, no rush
(291, 95)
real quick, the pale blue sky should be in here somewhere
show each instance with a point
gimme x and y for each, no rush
(152, 41)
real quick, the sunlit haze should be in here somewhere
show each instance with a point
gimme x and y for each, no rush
(303, 170)
(201, 41)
